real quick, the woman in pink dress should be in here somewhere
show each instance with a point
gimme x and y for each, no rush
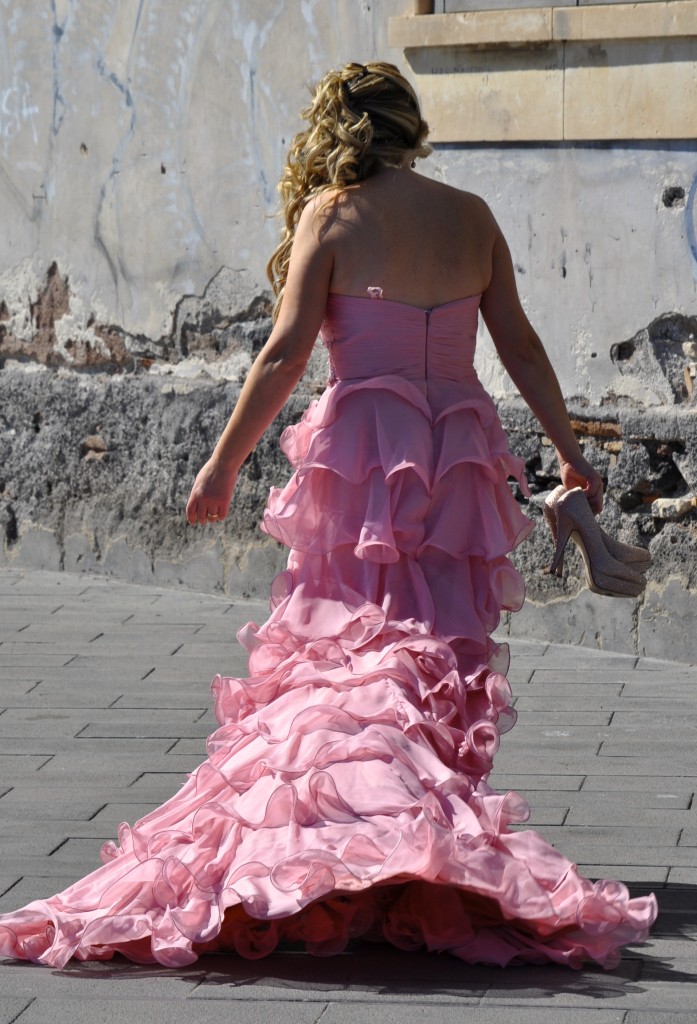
(345, 792)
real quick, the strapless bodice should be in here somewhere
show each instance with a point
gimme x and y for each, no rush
(372, 337)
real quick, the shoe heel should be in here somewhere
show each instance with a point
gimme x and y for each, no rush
(549, 510)
(563, 533)
(551, 519)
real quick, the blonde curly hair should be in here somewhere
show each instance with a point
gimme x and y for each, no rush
(361, 119)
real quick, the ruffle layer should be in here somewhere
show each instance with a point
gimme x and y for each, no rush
(378, 469)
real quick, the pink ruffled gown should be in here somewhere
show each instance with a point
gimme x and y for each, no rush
(345, 790)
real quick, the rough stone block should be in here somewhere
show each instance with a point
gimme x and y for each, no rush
(79, 555)
(584, 618)
(205, 571)
(252, 571)
(37, 549)
(666, 621)
(130, 563)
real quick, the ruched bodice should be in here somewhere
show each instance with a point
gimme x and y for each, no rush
(373, 337)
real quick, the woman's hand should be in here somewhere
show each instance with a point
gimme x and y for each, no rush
(209, 501)
(579, 473)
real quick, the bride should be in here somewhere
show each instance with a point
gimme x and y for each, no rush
(345, 791)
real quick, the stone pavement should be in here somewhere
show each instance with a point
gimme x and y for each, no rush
(105, 704)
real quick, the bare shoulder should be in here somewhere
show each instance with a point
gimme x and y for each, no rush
(321, 214)
(472, 208)
(475, 208)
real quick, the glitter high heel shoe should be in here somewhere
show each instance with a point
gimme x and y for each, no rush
(604, 574)
(637, 558)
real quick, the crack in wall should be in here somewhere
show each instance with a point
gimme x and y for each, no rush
(216, 325)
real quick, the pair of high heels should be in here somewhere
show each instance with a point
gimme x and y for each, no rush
(612, 568)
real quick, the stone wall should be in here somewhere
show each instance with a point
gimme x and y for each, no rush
(139, 147)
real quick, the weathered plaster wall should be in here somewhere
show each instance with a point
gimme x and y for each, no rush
(140, 142)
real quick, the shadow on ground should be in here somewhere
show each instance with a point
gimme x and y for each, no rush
(368, 970)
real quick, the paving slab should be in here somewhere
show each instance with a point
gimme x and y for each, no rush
(379, 1014)
(32, 887)
(157, 1011)
(105, 708)
(93, 750)
(620, 804)
(10, 1009)
(666, 784)
(682, 876)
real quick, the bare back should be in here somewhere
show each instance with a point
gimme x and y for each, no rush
(422, 242)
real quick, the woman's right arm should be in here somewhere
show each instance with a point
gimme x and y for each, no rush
(275, 371)
(524, 357)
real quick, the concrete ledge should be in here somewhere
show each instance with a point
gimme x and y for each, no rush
(473, 28)
(534, 25)
(675, 19)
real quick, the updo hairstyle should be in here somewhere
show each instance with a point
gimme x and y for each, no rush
(361, 119)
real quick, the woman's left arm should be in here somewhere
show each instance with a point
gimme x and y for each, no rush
(274, 373)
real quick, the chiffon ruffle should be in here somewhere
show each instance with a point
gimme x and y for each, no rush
(345, 791)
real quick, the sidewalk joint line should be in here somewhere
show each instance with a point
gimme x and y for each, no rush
(11, 886)
(148, 673)
(98, 811)
(62, 843)
(22, 1011)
